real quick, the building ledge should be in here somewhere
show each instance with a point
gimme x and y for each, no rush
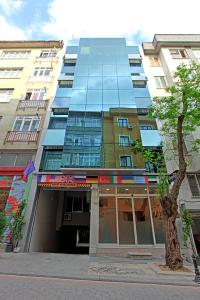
(12, 171)
(101, 171)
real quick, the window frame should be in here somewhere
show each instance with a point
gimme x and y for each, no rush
(197, 183)
(18, 54)
(123, 119)
(10, 73)
(40, 71)
(179, 53)
(154, 61)
(127, 166)
(9, 95)
(24, 119)
(123, 143)
(159, 83)
(34, 93)
(49, 53)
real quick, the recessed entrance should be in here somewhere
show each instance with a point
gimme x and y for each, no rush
(62, 222)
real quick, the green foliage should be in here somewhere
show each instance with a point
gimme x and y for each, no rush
(187, 223)
(183, 99)
(18, 223)
(2, 224)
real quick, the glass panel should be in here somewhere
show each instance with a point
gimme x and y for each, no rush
(125, 83)
(26, 125)
(80, 82)
(95, 70)
(158, 221)
(196, 232)
(109, 70)
(110, 83)
(123, 70)
(143, 221)
(17, 125)
(107, 220)
(95, 83)
(125, 217)
(111, 97)
(106, 189)
(94, 97)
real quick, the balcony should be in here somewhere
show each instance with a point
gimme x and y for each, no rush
(40, 79)
(39, 104)
(22, 136)
(40, 59)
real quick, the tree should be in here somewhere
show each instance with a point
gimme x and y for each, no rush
(2, 224)
(179, 114)
(17, 223)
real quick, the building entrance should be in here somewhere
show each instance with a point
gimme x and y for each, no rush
(62, 222)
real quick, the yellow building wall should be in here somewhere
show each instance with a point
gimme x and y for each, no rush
(111, 133)
(8, 110)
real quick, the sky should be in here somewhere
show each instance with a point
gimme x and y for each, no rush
(68, 20)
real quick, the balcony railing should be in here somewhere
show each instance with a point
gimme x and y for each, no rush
(40, 78)
(23, 104)
(22, 136)
(48, 59)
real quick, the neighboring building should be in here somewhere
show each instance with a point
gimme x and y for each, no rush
(161, 58)
(28, 74)
(92, 193)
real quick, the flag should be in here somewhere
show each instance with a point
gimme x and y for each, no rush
(29, 169)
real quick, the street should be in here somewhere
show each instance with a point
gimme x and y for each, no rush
(14, 287)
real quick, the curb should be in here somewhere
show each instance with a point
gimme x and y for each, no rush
(107, 279)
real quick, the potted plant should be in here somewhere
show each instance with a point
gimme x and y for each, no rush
(17, 225)
(2, 227)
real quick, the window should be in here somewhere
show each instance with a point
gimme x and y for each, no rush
(124, 141)
(122, 122)
(194, 183)
(125, 161)
(5, 95)
(160, 82)
(42, 72)
(139, 83)
(70, 62)
(10, 73)
(35, 94)
(26, 124)
(66, 83)
(15, 159)
(154, 61)
(178, 53)
(48, 53)
(15, 54)
(197, 53)
(146, 127)
(85, 160)
(135, 62)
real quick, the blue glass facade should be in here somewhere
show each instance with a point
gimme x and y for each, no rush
(98, 77)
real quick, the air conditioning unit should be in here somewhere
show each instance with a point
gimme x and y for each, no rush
(129, 126)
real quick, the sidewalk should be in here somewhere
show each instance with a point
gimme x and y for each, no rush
(92, 268)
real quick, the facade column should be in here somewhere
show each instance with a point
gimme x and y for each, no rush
(94, 220)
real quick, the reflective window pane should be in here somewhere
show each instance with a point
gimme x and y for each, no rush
(80, 82)
(110, 83)
(109, 70)
(125, 82)
(125, 219)
(123, 70)
(111, 97)
(143, 221)
(95, 70)
(107, 220)
(95, 83)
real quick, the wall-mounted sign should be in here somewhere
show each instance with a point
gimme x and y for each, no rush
(76, 181)
(63, 185)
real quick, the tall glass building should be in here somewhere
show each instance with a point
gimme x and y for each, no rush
(94, 194)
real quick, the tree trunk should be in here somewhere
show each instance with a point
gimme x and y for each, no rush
(173, 253)
(173, 256)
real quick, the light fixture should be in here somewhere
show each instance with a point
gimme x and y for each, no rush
(126, 189)
(107, 189)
